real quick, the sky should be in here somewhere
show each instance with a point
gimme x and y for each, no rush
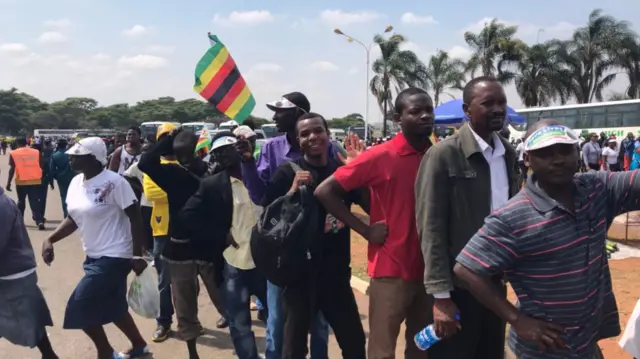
(119, 51)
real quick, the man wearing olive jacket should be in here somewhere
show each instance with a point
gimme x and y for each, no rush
(460, 182)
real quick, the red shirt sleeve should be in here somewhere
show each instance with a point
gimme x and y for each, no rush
(364, 171)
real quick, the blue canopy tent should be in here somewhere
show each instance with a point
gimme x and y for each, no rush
(450, 113)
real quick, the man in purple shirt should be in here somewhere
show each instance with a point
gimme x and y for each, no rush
(280, 149)
(256, 175)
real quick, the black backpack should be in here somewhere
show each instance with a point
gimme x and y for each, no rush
(281, 240)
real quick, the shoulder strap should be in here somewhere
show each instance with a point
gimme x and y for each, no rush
(295, 167)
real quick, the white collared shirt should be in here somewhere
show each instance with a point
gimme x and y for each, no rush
(497, 169)
(499, 178)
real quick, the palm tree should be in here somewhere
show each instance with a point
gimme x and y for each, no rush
(627, 57)
(395, 70)
(443, 73)
(540, 78)
(616, 96)
(494, 50)
(590, 56)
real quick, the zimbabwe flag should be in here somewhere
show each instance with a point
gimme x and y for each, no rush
(219, 81)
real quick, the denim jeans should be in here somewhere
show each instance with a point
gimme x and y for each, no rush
(164, 282)
(237, 289)
(275, 328)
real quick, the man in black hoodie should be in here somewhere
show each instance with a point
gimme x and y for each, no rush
(187, 254)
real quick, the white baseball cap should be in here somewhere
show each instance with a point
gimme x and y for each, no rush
(223, 141)
(244, 131)
(549, 136)
(90, 146)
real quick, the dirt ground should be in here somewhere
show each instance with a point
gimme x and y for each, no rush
(624, 273)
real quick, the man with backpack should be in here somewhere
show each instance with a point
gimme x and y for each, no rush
(256, 175)
(300, 247)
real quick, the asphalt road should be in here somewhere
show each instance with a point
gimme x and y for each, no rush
(59, 280)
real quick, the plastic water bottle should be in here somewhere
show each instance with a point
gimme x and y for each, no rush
(427, 337)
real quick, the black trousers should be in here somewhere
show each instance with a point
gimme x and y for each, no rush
(482, 334)
(594, 166)
(332, 294)
(523, 172)
(145, 212)
(33, 194)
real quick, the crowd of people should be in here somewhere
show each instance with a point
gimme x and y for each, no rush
(450, 224)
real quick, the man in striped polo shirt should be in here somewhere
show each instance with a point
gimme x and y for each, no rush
(549, 241)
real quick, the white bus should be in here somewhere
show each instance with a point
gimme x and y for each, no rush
(616, 118)
(151, 128)
(55, 132)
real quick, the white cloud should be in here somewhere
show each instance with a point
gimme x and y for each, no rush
(339, 17)
(101, 57)
(143, 61)
(459, 52)
(136, 30)
(13, 47)
(58, 23)
(530, 32)
(353, 71)
(324, 66)
(411, 46)
(266, 67)
(161, 49)
(52, 37)
(247, 18)
(413, 19)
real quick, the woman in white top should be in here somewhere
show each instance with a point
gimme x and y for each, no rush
(610, 156)
(104, 208)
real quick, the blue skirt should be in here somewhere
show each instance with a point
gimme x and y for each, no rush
(101, 296)
(23, 311)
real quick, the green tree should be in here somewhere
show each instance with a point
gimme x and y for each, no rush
(443, 74)
(352, 119)
(627, 58)
(394, 70)
(494, 50)
(540, 76)
(14, 112)
(590, 56)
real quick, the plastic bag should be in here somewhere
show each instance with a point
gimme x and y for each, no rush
(143, 296)
(630, 340)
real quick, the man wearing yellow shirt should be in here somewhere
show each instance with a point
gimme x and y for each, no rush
(160, 227)
(231, 224)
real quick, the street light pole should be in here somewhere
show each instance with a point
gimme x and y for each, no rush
(367, 50)
(538, 36)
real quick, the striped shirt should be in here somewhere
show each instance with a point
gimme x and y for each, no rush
(555, 260)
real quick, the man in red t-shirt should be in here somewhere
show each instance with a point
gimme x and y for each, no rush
(395, 266)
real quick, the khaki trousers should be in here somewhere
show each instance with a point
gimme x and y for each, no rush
(184, 286)
(391, 302)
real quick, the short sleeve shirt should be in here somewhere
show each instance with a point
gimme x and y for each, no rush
(556, 260)
(390, 170)
(97, 206)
